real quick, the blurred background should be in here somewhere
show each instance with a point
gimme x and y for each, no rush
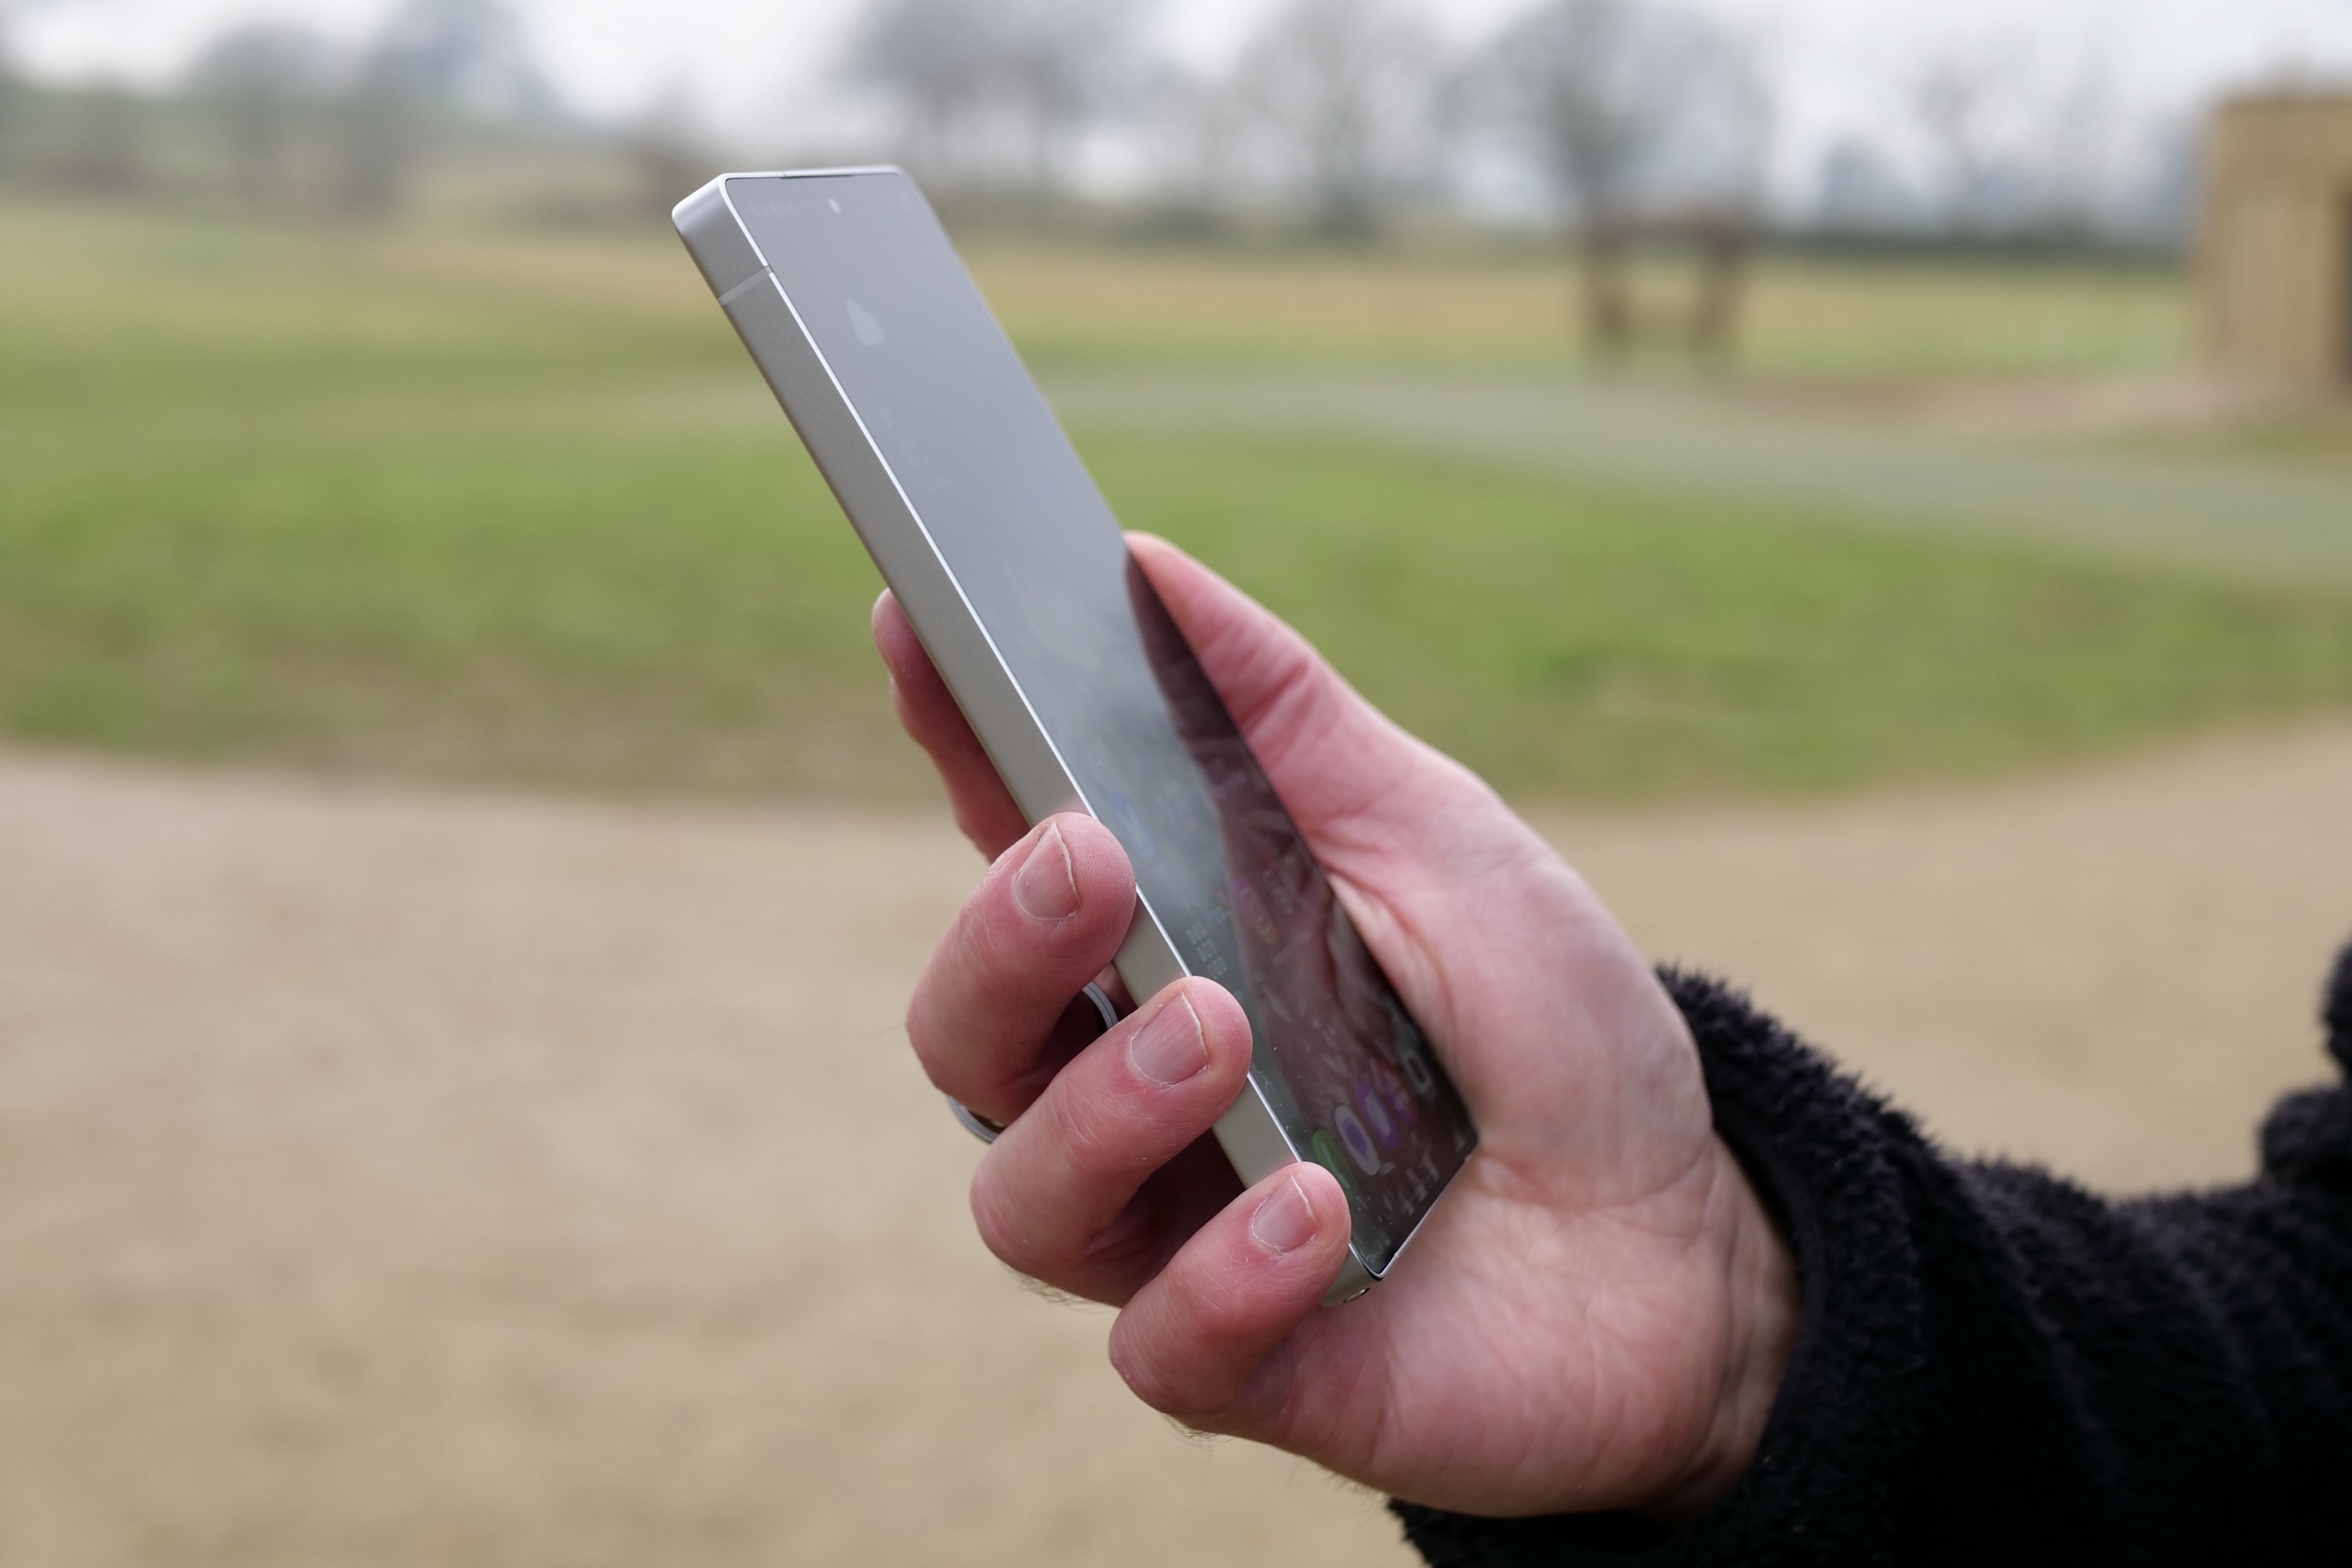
(1873, 483)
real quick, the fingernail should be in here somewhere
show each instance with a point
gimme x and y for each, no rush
(1286, 1221)
(1045, 887)
(1170, 1048)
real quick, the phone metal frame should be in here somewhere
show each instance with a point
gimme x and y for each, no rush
(959, 644)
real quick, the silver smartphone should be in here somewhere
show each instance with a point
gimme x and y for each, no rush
(1014, 574)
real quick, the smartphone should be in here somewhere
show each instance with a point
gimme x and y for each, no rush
(1014, 574)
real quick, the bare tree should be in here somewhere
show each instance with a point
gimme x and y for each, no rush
(987, 83)
(432, 57)
(1628, 107)
(1861, 190)
(1959, 101)
(12, 85)
(668, 151)
(107, 153)
(11, 91)
(1199, 133)
(938, 59)
(263, 82)
(2012, 148)
(2079, 168)
(1340, 93)
(467, 55)
(2156, 202)
(376, 142)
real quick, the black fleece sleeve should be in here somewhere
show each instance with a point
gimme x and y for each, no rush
(1994, 1366)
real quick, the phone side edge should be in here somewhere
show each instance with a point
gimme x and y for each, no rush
(951, 631)
(894, 536)
(716, 239)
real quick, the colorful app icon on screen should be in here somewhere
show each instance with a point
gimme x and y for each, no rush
(1358, 1140)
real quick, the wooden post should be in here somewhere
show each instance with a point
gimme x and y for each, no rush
(1605, 245)
(1721, 239)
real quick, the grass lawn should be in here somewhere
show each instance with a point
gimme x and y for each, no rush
(1804, 318)
(493, 509)
(1599, 644)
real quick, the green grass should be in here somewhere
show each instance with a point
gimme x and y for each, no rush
(515, 512)
(1602, 645)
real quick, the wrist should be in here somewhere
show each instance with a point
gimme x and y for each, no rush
(1763, 1304)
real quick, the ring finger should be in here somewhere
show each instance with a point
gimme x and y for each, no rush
(1062, 1195)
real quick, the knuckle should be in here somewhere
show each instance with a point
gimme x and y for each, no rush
(1190, 1325)
(955, 1059)
(925, 1043)
(1145, 1377)
(1130, 1248)
(1008, 962)
(1079, 1133)
(1001, 1231)
(1220, 1318)
(990, 945)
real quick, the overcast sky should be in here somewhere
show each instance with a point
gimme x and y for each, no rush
(754, 68)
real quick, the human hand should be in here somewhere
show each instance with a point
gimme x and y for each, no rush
(1597, 1313)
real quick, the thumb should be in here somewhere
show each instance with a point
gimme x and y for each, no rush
(1332, 757)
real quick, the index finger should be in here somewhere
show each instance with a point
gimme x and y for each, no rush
(983, 807)
(1044, 921)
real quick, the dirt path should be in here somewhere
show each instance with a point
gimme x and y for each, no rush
(390, 1178)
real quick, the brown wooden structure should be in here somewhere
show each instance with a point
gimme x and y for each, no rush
(1718, 240)
(2274, 254)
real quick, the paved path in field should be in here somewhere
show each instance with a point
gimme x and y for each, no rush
(2262, 522)
(400, 1178)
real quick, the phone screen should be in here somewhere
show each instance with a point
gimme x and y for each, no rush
(1012, 510)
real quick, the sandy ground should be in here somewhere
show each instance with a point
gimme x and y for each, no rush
(399, 1178)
